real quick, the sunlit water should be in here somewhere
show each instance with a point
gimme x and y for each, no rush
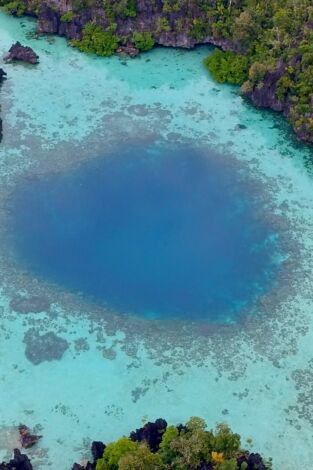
(142, 186)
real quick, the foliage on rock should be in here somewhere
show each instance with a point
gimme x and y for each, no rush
(185, 447)
(96, 40)
(143, 41)
(228, 67)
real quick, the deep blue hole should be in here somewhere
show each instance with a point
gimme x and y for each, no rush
(159, 232)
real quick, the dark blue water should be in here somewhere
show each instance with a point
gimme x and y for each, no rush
(156, 232)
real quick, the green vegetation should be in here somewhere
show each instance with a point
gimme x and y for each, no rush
(228, 67)
(199, 29)
(143, 41)
(122, 8)
(67, 17)
(266, 41)
(96, 40)
(162, 25)
(275, 37)
(17, 7)
(181, 448)
(125, 454)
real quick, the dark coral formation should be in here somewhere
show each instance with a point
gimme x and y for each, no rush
(151, 433)
(46, 347)
(35, 304)
(20, 53)
(19, 462)
(27, 439)
(97, 449)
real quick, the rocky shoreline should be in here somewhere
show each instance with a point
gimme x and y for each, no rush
(173, 24)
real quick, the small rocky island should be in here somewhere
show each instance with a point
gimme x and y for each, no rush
(156, 446)
(20, 53)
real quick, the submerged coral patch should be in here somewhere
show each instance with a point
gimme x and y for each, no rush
(161, 232)
(35, 304)
(46, 347)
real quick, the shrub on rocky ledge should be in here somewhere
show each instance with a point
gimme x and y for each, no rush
(96, 40)
(67, 17)
(143, 41)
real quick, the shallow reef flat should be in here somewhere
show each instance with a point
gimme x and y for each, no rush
(78, 371)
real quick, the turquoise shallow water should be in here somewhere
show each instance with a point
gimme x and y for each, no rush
(256, 374)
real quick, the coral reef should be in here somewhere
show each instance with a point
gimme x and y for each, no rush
(35, 304)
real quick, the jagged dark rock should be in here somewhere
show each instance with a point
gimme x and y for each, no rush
(17, 52)
(97, 449)
(46, 347)
(205, 466)
(151, 433)
(2, 75)
(88, 466)
(19, 462)
(253, 461)
(26, 437)
(129, 50)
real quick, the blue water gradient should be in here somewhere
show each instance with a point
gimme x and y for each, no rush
(156, 231)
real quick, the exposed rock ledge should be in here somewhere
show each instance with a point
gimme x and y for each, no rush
(17, 52)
